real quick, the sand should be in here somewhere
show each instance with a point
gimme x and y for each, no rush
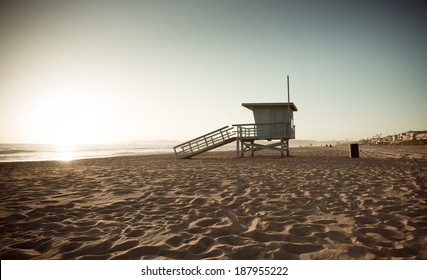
(316, 204)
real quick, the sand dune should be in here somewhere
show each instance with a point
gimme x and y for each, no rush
(317, 204)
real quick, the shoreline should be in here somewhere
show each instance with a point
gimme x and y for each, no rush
(413, 151)
(316, 204)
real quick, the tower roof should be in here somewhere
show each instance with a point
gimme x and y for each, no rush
(251, 106)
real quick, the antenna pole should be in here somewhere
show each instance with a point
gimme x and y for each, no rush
(289, 110)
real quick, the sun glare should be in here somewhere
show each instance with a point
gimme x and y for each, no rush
(65, 152)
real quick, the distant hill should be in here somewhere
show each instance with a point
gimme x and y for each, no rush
(170, 143)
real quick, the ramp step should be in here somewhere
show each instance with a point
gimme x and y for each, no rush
(206, 142)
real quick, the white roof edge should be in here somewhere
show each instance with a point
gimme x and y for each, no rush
(280, 104)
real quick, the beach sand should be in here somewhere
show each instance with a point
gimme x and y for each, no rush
(316, 204)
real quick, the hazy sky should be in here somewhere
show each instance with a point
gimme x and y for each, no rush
(100, 71)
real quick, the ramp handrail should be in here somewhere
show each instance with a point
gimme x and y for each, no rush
(205, 141)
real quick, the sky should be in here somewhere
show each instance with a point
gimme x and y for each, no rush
(86, 72)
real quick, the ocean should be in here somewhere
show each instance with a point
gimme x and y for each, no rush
(45, 152)
(40, 152)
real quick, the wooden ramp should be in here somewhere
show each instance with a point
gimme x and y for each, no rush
(206, 142)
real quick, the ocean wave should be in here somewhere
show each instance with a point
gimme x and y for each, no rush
(15, 151)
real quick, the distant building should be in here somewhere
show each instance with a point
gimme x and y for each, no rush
(406, 138)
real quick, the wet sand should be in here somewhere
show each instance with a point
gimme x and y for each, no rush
(316, 204)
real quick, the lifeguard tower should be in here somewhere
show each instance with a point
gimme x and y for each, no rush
(274, 123)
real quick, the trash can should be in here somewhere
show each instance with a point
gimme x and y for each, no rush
(354, 150)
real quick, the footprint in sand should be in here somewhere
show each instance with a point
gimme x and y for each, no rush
(206, 222)
(366, 220)
(41, 245)
(202, 245)
(135, 233)
(69, 247)
(298, 249)
(233, 240)
(175, 241)
(124, 246)
(198, 201)
(139, 253)
(97, 249)
(339, 236)
(325, 222)
(275, 227)
(306, 229)
(249, 252)
(386, 233)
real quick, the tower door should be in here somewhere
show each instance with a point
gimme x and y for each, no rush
(278, 128)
